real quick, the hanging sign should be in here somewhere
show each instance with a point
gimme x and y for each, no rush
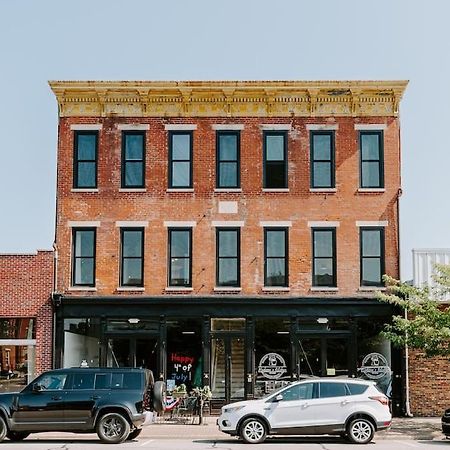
(272, 366)
(375, 366)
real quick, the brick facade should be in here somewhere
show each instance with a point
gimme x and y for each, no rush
(26, 283)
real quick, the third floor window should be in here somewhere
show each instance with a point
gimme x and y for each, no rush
(371, 159)
(322, 159)
(85, 160)
(227, 158)
(133, 159)
(180, 159)
(275, 160)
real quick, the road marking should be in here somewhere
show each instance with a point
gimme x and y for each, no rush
(146, 442)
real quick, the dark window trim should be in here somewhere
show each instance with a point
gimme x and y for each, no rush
(238, 257)
(334, 258)
(285, 154)
(74, 257)
(380, 135)
(189, 229)
(286, 255)
(382, 256)
(331, 160)
(124, 160)
(122, 230)
(190, 160)
(237, 160)
(76, 161)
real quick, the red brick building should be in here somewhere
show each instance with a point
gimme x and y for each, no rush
(26, 317)
(231, 234)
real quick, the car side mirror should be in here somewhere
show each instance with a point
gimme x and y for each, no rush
(278, 398)
(37, 387)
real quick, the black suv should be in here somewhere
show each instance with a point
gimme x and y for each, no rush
(114, 403)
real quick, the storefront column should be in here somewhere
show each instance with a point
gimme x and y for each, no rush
(353, 353)
(162, 363)
(250, 357)
(59, 332)
(206, 343)
(293, 335)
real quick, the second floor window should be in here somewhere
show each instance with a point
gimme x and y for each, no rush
(227, 159)
(133, 159)
(275, 257)
(324, 257)
(322, 159)
(83, 256)
(132, 257)
(371, 159)
(227, 257)
(372, 256)
(180, 257)
(275, 160)
(180, 159)
(85, 160)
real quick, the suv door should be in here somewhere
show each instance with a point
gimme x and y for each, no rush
(44, 409)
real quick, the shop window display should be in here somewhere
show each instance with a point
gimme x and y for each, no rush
(81, 342)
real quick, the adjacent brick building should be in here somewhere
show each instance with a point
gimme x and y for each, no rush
(230, 234)
(26, 317)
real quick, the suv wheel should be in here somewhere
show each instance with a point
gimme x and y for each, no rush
(113, 428)
(3, 429)
(360, 431)
(134, 434)
(17, 435)
(159, 396)
(253, 431)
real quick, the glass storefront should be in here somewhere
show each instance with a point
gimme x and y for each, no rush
(81, 342)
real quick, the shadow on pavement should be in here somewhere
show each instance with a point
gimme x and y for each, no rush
(281, 440)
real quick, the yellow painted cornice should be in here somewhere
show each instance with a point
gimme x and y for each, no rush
(228, 98)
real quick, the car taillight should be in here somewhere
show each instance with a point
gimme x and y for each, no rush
(380, 398)
(147, 400)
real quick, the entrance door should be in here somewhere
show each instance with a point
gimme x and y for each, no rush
(133, 352)
(228, 367)
(323, 355)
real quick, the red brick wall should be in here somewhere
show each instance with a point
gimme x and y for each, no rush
(429, 381)
(156, 205)
(26, 283)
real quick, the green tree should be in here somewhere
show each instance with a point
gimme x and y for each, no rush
(425, 324)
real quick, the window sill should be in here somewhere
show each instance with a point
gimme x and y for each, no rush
(84, 190)
(371, 288)
(227, 190)
(323, 190)
(275, 190)
(130, 288)
(132, 190)
(324, 289)
(275, 289)
(82, 288)
(178, 289)
(180, 190)
(371, 190)
(227, 289)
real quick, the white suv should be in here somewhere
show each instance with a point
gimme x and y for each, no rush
(349, 407)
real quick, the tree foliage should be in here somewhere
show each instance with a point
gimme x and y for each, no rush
(425, 324)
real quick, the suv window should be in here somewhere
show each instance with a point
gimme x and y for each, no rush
(53, 381)
(126, 380)
(102, 380)
(83, 381)
(298, 392)
(332, 390)
(357, 389)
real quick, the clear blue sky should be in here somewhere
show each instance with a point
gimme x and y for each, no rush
(233, 39)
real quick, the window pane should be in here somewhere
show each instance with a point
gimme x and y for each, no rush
(370, 146)
(275, 175)
(132, 271)
(322, 174)
(86, 174)
(371, 243)
(102, 381)
(132, 243)
(323, 243)
(84, 271)
(84, 243)
(228, 174)
(274, 148)
(370, 174)
(83, 381)
(228, 147)
(276, 241)
(371, 271)
(134, 146)
(275, 272)
(179, 243)
(332, 390)
(181, 174)
(181, 146)
(323, 272)
(227, 243)
(134, 174)
(298, 392)
(322, 147)
(86, 146)
(228, 272)
(52, 381)
(180, 272)
(356, 389)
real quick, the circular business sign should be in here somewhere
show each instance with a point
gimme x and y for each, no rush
(272, 366)
(375, 366)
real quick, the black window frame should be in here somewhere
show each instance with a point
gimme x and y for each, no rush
(285, 160)
(122, 257)
(331, 161)
(314, 257)
(74, 257)
(76, 161)
(381, 257)
(190, 160)
(286, 256)
(123, 166)
(380, 135)
(170, 230)
(236, 133)
(237, 257)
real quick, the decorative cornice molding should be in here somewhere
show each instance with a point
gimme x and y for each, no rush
(227, 98)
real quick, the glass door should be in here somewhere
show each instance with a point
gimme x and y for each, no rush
(132, 352)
